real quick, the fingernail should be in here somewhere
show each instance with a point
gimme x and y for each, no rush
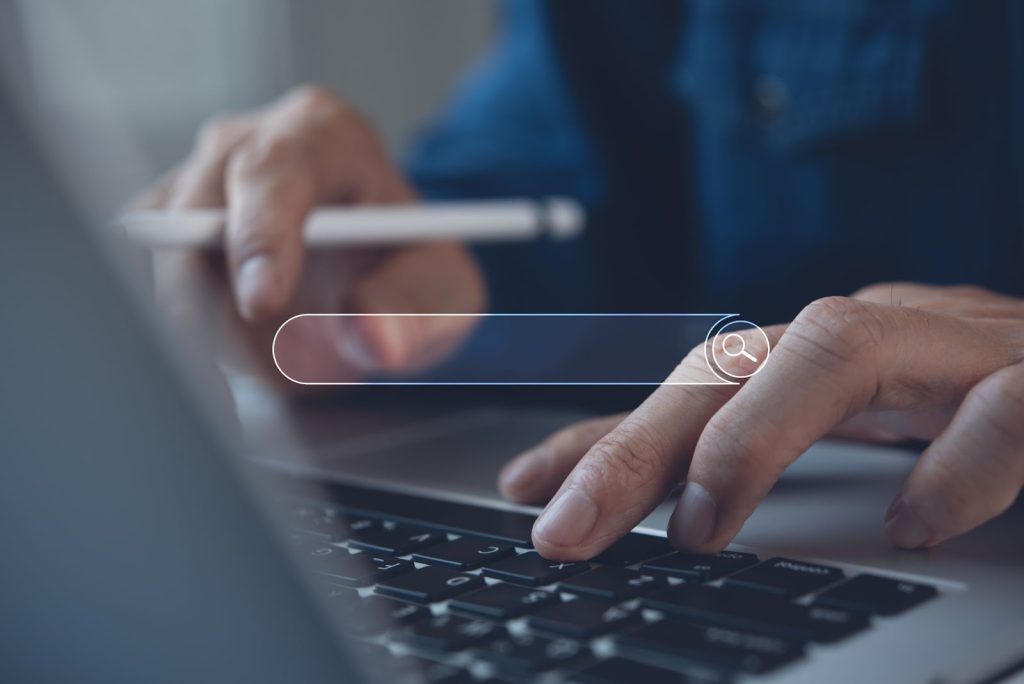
(255, 277)
(693, 521)
(567, 520)
(904, 526)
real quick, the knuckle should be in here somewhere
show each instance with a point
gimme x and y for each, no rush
(632, 452)
(265, 155)
(319, 105)
(312, 98)
(837, 330)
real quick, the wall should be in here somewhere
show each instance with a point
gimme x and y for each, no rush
(130, 80)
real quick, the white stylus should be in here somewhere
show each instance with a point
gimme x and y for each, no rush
(466, 221)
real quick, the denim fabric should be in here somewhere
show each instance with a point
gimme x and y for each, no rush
(834, 144)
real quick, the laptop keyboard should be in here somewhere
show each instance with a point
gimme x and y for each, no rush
(450, 592)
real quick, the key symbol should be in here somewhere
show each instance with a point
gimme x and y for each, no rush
(476, 628)
(323, 551)
(420, 537)
(642, 579)
(562, 648)
(458, 581)
(613, 614)
(489, 549)
(404, 611)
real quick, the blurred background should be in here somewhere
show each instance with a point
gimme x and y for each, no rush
(110, 77)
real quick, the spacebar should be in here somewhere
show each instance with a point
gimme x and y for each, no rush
(507, 527)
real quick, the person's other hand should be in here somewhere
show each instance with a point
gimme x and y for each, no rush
(889, 363)
(270, 167)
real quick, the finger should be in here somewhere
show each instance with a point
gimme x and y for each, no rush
(973, 472)
(311, 149)
(271, 189)
(158, 195)
(200, 181)
(893, 426)
(184, 279)
(433, 279)
(631, 469)
(533, 476)
(837, 358)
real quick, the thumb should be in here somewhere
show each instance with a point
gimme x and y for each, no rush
(421, 302)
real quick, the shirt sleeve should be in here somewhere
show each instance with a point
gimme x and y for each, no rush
(508, 128)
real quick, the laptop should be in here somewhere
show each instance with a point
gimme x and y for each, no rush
(145, 542)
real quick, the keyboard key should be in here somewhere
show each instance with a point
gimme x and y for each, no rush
(876, 595)
(754, 611)
(617, 584)
(581, 619)
(826, 624)
(466, 553)
(530, 653)
(502, 601)
(337, 593)
(532, 570)
(701, 568)
(393, 611)
(786, 577)
(619, 670)
(506, 527)
(447, 632)
(395, 541)
(340, 566)
(724, 647)
(428, 585)
(633, 548)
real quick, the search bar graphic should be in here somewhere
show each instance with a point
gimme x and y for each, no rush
(524, 349)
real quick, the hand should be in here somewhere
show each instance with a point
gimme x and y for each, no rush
(270, 168)
(889, 363)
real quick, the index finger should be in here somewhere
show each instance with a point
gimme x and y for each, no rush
(629, 471)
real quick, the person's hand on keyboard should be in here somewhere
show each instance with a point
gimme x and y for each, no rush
(270, 167)
(892, 362)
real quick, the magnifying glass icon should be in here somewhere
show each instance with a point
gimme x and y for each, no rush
(742, 351)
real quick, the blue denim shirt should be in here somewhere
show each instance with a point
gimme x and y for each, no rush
(832, 145)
